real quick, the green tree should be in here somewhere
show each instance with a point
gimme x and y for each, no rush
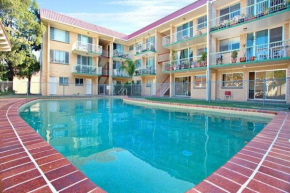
(21, 20)
(130, 68)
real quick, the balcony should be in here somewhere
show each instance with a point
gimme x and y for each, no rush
(121, 55)
(148, 49)
(185, 38)
(86, 49)
(145, 72)
(277, 51)
(257, 16)
(184, 65)
(119, 73)
(87, 70)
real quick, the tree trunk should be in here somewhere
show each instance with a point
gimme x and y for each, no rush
(10, 76)
(29, 84)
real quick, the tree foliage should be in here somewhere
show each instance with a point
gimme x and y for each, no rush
(21, 20)
(130, 68)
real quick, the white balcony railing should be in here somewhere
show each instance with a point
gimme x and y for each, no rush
(87, 69)
(271, 51)
(121, 54)
(120, 73)
(141, 48)
(247, 13)
(183, 64)
(87, 47)
(145, 71)
(185, 34)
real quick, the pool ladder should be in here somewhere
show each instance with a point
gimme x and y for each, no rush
(123, 90)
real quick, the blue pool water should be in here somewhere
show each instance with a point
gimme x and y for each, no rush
(127, 148)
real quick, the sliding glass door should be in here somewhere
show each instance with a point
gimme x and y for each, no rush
(268, 85)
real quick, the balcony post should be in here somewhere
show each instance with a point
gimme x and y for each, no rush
(111, 68)
(172, 88)
(208, 73)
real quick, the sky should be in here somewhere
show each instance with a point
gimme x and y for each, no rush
(124, 16)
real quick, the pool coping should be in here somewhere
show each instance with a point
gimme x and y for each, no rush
(28, 163)
(263, 165)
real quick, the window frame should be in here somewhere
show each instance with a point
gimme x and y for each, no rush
(202, 24)
(230, 44)
(79, 84)
(66, 56)
(63, 83)
(202, 76)
(52, 35)
(232, 81)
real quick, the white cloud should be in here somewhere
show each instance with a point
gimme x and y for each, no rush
(140, 14)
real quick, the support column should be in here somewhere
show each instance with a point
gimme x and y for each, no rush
(111, 68)
(48, 60)
(172, 85)
(208, 73)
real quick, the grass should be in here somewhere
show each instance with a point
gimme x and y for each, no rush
(247, 105)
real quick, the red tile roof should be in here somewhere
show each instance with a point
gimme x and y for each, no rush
(47, 14)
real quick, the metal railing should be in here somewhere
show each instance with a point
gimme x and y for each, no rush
(142, 48)
(184, 35)
(87, 69)
(87, 47)
(121, 54)
(145, 71)
(263, 52)
(183, 64)
(120, 73)
(247, 13)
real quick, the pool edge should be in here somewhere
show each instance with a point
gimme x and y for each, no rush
(254, 167)
(28, 163)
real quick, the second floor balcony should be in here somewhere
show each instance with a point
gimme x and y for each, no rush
(268, 52)
(86, 49)
(120, 73)
(181, 65)
(186, 37)
(147, 49)
(149, 71)
(262, 14)
(121, 55)
(87, 70)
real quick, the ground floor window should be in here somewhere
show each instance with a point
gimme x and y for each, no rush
(268, 85)
(234, 80)
(149, 83)
(79, 82)
(199, 81)
(182, 86)
(63, 80)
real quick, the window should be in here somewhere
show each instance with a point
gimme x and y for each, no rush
(150, 63)
(85, 60)
(59, 35)
(79, 82)
(229, 12)
(85, 39)
(138, 64)
(150, 43)
(60, 57)
(202, 22)
(184, 31)
(138, 82)
(201, 49)
(118, 47)
(138, 47)
(199, 81)
(233, 80)
(131, 47)
(229, 44)
(117, 64)
(63, 81)
(149, 83)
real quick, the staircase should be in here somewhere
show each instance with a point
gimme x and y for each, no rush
(164, 87)
(103, 61)
(102, 79)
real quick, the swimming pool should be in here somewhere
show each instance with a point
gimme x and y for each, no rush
(127, 148)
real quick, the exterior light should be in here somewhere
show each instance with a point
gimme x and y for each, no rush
(245, 29)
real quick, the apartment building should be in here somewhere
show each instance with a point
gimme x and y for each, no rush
(207, 50)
